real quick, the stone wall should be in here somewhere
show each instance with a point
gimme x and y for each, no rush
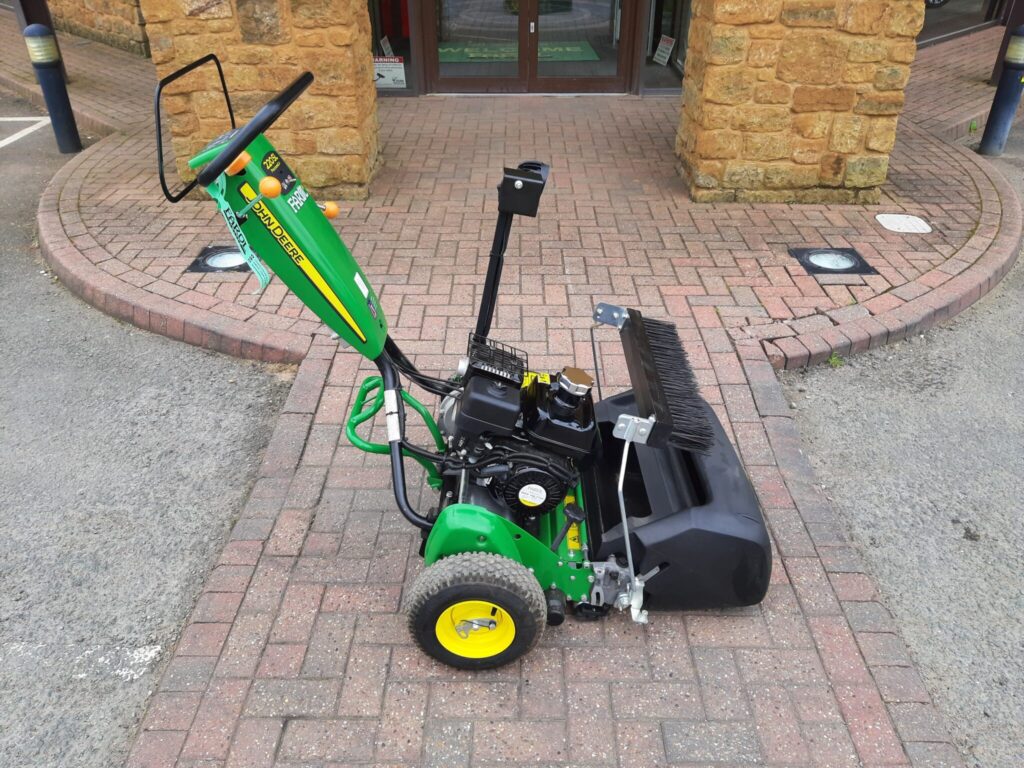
(794, 100)
(329, 136)
(118, 23)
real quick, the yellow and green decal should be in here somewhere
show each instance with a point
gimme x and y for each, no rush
(299, 258)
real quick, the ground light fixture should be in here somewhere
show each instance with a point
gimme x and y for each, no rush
(219, 258)
(832, 261)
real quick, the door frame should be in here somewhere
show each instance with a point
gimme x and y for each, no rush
(527, 80)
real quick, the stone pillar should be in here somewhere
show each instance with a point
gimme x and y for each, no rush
(329, 136)
(794, 100)
(118, 23)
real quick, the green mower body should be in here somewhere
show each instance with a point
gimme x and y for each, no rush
(299, 244)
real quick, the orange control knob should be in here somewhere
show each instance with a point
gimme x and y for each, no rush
(270, 187)
(239, 163)
(331, 210)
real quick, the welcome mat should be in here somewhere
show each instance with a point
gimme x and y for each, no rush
(472, 52)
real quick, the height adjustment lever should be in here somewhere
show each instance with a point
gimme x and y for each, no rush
(270, 188)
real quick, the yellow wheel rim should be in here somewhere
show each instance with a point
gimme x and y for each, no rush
(475, 629)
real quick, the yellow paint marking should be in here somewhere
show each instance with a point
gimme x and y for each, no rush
(300, 259)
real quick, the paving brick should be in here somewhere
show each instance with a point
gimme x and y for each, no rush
(447, 744)
(297, 613)
(327, 651)
(156, 749)
(216, 607)
(722, 690)
(255, 743)
(283, 660)
(778, 728)
(400, 730)
(188, 673)
(727, 630)
(215, 721)
(830, 745)
(872, 732)
(712, 742)
(868, 617)
(934, 755)
(884, 649)
(900, 684)
(171, 711)
(311, 741)
(244, 645)
(293, 698)
(543, 684)
(202, 639)
(918, 721)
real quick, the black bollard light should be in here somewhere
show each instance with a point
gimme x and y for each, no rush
(1007, 98)
(42, 51)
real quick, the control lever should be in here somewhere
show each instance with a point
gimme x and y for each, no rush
(573, 515)
(270, 188)
(330, 209)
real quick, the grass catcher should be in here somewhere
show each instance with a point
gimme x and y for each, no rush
(547, 501)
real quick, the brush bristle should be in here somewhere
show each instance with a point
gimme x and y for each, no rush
(691, 429)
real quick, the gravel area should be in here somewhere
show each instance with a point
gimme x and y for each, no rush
(921, 447)
(124, 457)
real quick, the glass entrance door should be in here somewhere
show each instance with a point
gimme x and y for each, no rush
(578, 46)
(552, 46)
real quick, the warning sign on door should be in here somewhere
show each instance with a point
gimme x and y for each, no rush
(389, 71)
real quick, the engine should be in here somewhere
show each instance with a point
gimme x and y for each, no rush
(517, 439)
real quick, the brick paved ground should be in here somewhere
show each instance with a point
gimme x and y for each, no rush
(949, 87)
(296, 653)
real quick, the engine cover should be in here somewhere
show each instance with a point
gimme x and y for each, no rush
(529, 490)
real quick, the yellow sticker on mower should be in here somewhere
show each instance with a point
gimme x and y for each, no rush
(528, 379)
(279, 233)
(572, 538)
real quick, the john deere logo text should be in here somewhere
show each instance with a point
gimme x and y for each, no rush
(295, 253)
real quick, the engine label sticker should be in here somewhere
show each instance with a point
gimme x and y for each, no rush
(300, 259)
(532, 495)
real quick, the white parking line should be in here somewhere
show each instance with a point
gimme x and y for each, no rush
(38, 122)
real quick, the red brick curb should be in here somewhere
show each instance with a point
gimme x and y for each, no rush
(935, 296)
(75, 259)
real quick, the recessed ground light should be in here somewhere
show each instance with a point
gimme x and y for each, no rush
(832, 261)
(903, 223)
(219, 258)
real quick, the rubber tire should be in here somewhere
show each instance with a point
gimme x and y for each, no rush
(477, 576)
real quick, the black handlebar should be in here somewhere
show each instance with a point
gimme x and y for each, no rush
(266, 117)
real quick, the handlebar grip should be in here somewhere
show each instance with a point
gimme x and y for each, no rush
(266, 117)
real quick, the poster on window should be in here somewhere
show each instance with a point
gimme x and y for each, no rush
(665, 47)
(389, 71)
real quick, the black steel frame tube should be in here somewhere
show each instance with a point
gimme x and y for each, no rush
(489, 299)
(389, 374)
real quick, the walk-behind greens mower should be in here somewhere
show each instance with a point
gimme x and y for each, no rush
(546, 499)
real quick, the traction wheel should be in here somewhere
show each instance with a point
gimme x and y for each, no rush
(476, 610)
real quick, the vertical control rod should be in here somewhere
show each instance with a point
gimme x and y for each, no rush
(494, 267)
